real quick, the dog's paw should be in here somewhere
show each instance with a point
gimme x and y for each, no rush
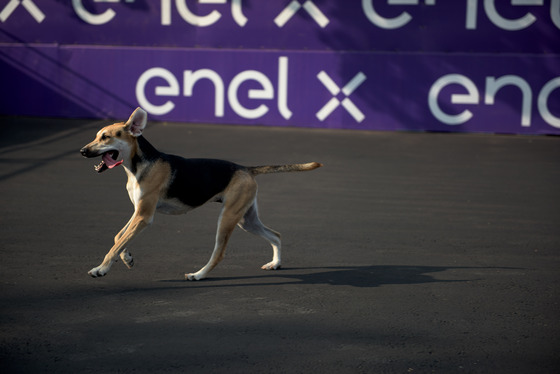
(97, 272)
(126, 257)
(193, 277)
(273, 265)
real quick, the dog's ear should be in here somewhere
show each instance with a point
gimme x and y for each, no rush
(137, 122)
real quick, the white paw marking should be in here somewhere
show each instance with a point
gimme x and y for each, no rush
(193, 277)
(273, 265)
(97, 272)
(126, 257)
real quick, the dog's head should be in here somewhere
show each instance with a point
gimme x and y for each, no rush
(116, 140)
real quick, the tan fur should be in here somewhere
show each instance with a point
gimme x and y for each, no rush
(256, 170)
(149, 195)
(237, 198)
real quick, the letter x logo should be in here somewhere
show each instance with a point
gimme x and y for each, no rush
(333, 103)
(308, 6)
(27, 4)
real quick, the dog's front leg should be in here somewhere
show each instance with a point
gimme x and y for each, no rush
(127, 258)
(140, 220)
(125, 255)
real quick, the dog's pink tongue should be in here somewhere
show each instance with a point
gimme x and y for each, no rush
(110, 162)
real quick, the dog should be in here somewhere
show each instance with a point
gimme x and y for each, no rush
(171, 184)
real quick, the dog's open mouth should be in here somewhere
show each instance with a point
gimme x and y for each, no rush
(108, 161)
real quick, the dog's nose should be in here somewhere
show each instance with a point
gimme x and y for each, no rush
(83, 151)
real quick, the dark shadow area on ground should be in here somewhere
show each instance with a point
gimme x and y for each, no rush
(355, 276)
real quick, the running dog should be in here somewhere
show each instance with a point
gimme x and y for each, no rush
(174, 185)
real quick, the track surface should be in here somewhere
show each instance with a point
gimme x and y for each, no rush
(406, 253)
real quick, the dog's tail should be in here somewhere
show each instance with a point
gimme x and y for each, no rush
(256, 170)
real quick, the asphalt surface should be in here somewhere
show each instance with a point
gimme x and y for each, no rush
(405, 253)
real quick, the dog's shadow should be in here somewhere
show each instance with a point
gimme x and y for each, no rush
(355, 276)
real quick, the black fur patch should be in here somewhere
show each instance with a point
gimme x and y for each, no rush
(196, 180)
(149, 153)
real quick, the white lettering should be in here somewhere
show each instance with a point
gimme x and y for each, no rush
(288, 12)
(555, 12)
(472, 7)
(29, 5)
(267, 92)
(283, 88)
(493, 85)
(92, 19)
(385, 23)
(509, 24)
(237, 13)
(197, 20)
(472, 97)
(347, 90)
(190, 78)
(542, 102)
(390, 23)
(171, 90)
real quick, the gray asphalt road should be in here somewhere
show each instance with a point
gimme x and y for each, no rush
(406, 253)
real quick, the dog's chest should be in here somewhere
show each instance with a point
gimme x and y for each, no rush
(134, 188)
(134, 191)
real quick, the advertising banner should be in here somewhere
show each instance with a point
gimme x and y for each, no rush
(495, 26)
(355, 90)
(470, 65)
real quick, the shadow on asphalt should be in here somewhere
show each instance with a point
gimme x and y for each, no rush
(355, 276)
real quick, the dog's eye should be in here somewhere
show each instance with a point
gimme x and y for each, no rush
(104, 137)
(118, 134)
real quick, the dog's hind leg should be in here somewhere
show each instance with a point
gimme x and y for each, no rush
(238, 197)
(251, 223)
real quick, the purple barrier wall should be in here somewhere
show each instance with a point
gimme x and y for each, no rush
(469, 65)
